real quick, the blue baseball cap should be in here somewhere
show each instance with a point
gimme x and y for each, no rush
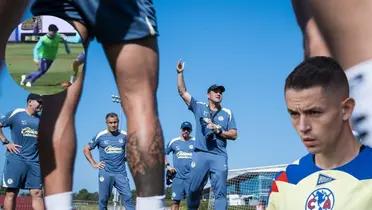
(216, 87)
(185, 125)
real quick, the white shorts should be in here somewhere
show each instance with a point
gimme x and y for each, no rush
(360, 81)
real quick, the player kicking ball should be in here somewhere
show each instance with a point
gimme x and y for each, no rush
(45, 52)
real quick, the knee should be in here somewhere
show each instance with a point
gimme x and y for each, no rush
(10, 195)
(36, 194)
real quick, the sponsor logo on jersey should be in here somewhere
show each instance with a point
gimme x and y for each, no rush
(220, 118)
(184, 155)
(320, 199)
(322, 179)
(23, 122)
(29, 132)
(205, 113)
(9, 181)
(113, 150)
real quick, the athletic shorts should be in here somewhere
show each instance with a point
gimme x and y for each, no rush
(81, 57)
(21, 174)
(179, 189)
(110, 21)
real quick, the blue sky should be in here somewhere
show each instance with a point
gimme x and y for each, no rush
(249, 46)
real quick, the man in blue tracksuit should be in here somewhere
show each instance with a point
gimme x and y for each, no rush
(22, 165)
(111, 145)
(214, 125)
(181, 148)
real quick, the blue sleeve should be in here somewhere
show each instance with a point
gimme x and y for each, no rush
(193, 105)
(36, 51)
(168, 149)
(6, 120)
(93, 143)
(231, 124)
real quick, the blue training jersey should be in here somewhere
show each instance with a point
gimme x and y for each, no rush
(222, 117)
(24, 131)
(111, 148)
(305, 186)
(182, 155)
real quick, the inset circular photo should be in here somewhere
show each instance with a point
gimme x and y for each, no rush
(45, 55)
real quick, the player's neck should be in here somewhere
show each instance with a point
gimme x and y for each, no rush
(214, 106)
(186, 138)
(346, 150)
(30, 111)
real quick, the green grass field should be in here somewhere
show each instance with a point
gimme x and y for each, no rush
(19, 59)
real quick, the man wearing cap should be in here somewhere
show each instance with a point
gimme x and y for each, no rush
(22, 167)
(214, 126)
(182, 148)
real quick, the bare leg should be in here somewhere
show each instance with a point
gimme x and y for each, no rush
(37, 199)
(175, 205)
(313, 41)
(135, 67)
(346, 27)
(57, 135)
(11, 12)
(10, 198)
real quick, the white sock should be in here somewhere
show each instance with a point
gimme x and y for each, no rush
(153, 203)
(59, 201)
(72, 78)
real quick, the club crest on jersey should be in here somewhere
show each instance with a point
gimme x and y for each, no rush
(220, 118)
(191, 147)
(101, 178)
(193, 164)
(320, 199)
(9, 181)
(105, 141)
(23, 122)
(322, 179)
(121, 141)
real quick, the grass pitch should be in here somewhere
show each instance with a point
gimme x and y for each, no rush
(19, 59)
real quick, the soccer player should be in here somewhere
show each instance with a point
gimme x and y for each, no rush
(112, 173)
(181, 148)
(327, 32)
(80, 60)
(336, 173)
(45, 52)
(214, 126)
(22, 166)
(132, 51)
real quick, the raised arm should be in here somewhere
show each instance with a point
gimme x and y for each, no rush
(181, 87)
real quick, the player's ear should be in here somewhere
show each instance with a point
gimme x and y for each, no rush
(347, 107)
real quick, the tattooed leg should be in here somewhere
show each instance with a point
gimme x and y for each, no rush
(135, 66)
